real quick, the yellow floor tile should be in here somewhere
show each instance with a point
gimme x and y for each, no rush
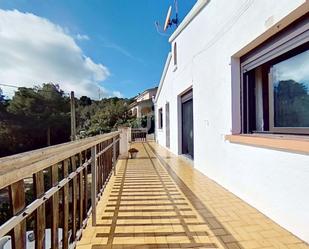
(151, 202)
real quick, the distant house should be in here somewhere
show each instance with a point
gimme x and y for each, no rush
(234, 100)
(143, 103)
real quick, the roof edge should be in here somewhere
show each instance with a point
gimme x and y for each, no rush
(145, 91)
(189, 17)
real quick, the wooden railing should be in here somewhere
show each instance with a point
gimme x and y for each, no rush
(138, 134)
(51, 192)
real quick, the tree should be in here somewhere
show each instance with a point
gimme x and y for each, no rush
(291, 104)
(38, 116)
(85, 101)
(110, 113)
(57, 109)
(44, 107)
(3, 104)
(34, 118)
(101, 116)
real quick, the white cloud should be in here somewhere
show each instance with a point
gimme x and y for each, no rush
(296, 68)
(34, 50)
(117, 94)
(82, 37)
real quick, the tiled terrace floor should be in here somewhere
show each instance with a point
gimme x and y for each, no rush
(159, 201)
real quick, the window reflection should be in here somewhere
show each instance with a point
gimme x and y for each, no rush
(290, 80)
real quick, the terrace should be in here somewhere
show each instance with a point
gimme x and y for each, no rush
(157, 200)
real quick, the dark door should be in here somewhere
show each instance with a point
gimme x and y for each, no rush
(187, 124)
(167, 124)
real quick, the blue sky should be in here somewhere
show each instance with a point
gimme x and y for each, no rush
(125, 52)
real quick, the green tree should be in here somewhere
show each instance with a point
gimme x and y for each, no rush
(34, 118)
(291, 104)
(101, 116)
(43, 107)
(38, 116)
(111, 113)
(84, 101)
(3, 104)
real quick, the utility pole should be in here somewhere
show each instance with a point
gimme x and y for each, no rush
(73, 118)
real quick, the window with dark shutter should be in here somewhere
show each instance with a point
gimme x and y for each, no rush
(275, 83)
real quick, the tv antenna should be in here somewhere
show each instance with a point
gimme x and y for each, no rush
(169, 21)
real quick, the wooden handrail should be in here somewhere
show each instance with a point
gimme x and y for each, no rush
(33, 154)
(76, 163)
(17, 167)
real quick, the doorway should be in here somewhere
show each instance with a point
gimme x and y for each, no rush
(187, 124)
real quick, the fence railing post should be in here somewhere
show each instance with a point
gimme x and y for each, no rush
(93, 184)
(114, 155)
(18, 203)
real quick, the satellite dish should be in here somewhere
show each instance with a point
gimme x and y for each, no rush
(169, 21)
(168, 18)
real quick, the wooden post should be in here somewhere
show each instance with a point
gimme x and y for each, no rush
(81, 193)
(85, 186)
(74, 199)
(99, 163)
(18, 203)
(38, 179)
(104, 163)
(73, 118)
(65, 206)
(93, 184)
(54, 209)
(110, 156)
(114, 155)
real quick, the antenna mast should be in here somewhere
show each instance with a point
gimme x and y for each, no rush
(176, 12)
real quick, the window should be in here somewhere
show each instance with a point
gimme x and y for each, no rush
(160, 118)
(175, 54)
(275, 84)
(289, 92)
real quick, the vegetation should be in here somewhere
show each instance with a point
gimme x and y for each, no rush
(40, 116)
(102, 116)
(291, 104)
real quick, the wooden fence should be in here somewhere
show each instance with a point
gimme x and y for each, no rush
(138, 134)
(64, 182)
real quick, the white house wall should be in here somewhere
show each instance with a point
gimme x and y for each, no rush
(275, 182)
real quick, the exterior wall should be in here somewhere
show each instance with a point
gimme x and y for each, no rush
(143, 97)
(143, 101)
(148, 94)
(153, 92)
(140, 108)
(275, 182)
